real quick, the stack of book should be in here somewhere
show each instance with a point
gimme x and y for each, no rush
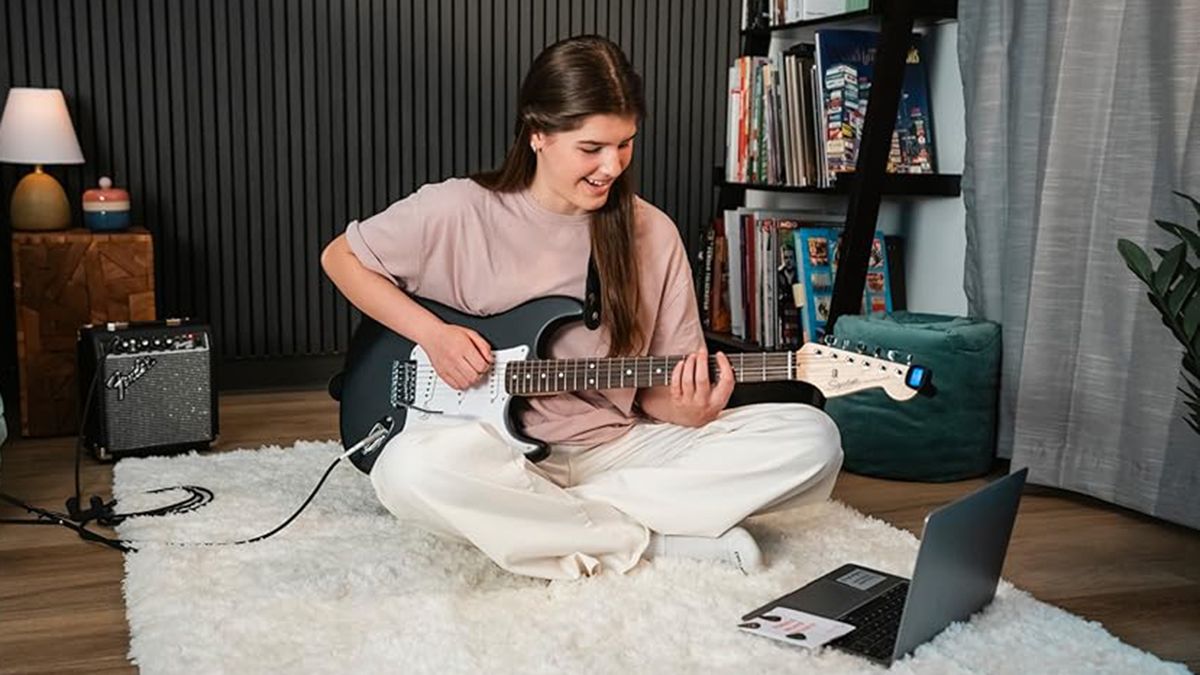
(759, 14)
(796, 118)
(766, 276)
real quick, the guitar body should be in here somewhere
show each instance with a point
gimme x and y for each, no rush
(387, 375)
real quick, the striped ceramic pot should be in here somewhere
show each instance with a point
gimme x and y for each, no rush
(106, 208)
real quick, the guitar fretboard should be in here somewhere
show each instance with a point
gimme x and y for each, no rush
(552, 376)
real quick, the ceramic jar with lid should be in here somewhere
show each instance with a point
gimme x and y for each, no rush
(106, 208)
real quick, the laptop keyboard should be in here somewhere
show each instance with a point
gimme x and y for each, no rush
(875, 625)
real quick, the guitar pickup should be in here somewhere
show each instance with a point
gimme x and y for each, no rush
(404, 383)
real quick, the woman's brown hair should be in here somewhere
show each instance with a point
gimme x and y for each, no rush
(570, 81)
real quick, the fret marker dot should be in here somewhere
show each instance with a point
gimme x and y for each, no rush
(543, 376)
(560, 374)
(591, 381)
(628, 372)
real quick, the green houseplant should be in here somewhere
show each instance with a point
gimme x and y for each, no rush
(1175, 292)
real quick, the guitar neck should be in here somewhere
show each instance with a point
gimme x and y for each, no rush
(552, 376)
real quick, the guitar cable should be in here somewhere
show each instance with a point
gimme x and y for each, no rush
(102, 512)
(198, 496)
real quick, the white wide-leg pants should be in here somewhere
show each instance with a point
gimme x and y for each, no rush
(584, 509)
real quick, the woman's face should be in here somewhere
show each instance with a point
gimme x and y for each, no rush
(576, 169)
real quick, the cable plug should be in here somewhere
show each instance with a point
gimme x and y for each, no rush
(97, 510)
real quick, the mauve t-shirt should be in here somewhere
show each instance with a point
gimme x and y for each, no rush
(483, 253)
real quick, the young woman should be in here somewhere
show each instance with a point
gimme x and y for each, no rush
(633, 473)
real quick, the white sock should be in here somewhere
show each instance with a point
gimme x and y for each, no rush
(735, 548)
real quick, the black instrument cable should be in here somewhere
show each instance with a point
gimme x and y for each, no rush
(103, 512)
(198, 497)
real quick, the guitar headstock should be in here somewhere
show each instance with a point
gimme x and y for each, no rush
(837, 372)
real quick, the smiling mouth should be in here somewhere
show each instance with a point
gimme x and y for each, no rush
(597, 184)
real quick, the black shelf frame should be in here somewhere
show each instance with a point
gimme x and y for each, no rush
(870, 180)
(756, 39)
(898, 184)
(727, 342)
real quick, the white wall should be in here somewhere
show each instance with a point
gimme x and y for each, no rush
(934, 227)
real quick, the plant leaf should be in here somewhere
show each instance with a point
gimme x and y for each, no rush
(1157, 303)
(1182, 291)
(1195, 204)
(1165, 274)
(1193, 380)
(1136, 259)
(1192, 401)
(1183, 233)
(1191, 319)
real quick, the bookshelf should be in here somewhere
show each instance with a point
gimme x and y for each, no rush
(870, 182)
(894, 184)
(920, 10)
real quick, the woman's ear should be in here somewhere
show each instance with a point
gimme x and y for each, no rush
(537, 140)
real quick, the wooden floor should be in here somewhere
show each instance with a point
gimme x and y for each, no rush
(61, 608)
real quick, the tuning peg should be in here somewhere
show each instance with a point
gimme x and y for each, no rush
(891, 355)
(861, 347)
(846, 344)
(829, 340)
(908, 360)
(876, 351)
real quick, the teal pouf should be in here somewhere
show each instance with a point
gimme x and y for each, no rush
(948, 436)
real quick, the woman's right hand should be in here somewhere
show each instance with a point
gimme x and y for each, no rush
(460, 356)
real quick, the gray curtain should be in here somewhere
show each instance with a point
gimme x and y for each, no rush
(1081, 118)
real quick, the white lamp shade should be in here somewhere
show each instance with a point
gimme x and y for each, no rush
(36, 128)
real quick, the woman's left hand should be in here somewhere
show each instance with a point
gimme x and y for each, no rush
(696, 399)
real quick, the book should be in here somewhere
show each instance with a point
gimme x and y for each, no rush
(845, 64)
(896, 270)
(706, 274)
(762, 14)
(818, 252)
(816, 9)
(774, 270)
(733, 238)
(791, 327)
(719, 318)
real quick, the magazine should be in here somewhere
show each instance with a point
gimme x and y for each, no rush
(845, 65)
(817, 252)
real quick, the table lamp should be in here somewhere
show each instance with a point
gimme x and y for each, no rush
(36, 129)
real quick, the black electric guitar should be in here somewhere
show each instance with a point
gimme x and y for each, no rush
(388, 377)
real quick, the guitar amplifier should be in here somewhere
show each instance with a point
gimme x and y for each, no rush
(150, 388)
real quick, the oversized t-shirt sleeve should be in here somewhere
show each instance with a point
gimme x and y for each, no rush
(392, 242)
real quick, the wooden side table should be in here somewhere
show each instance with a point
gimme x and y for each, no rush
(64, 280)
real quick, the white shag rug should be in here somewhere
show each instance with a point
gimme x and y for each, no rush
(348, 589)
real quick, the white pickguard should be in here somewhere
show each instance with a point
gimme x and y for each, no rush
(486, 401)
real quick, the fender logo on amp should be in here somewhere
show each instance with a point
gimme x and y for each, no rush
(121, 381)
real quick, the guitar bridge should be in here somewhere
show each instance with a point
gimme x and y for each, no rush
(404, 383)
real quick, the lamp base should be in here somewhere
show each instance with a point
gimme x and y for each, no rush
(40, 203)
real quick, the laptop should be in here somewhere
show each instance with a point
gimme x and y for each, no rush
(958, 566)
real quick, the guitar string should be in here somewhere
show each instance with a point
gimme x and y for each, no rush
(643, 368)
(534, 373)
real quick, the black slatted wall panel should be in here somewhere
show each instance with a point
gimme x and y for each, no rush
(251, 132)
